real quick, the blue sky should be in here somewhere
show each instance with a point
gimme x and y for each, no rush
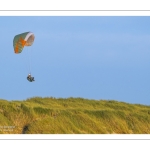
(90, 57)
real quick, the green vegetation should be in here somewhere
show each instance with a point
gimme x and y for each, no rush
(73, 116)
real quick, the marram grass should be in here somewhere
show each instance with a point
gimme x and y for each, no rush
(73, 116)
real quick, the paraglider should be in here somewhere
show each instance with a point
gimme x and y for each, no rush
(30, 78)
(19, 42)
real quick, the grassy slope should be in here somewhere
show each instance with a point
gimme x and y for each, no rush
(73, 115)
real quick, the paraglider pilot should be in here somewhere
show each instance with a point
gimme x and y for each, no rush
(30, 78)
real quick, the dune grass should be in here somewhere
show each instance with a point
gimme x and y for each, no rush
(51, 115)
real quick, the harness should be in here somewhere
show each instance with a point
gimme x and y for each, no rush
(31, 79)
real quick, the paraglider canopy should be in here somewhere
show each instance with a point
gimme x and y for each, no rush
(21, 40)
